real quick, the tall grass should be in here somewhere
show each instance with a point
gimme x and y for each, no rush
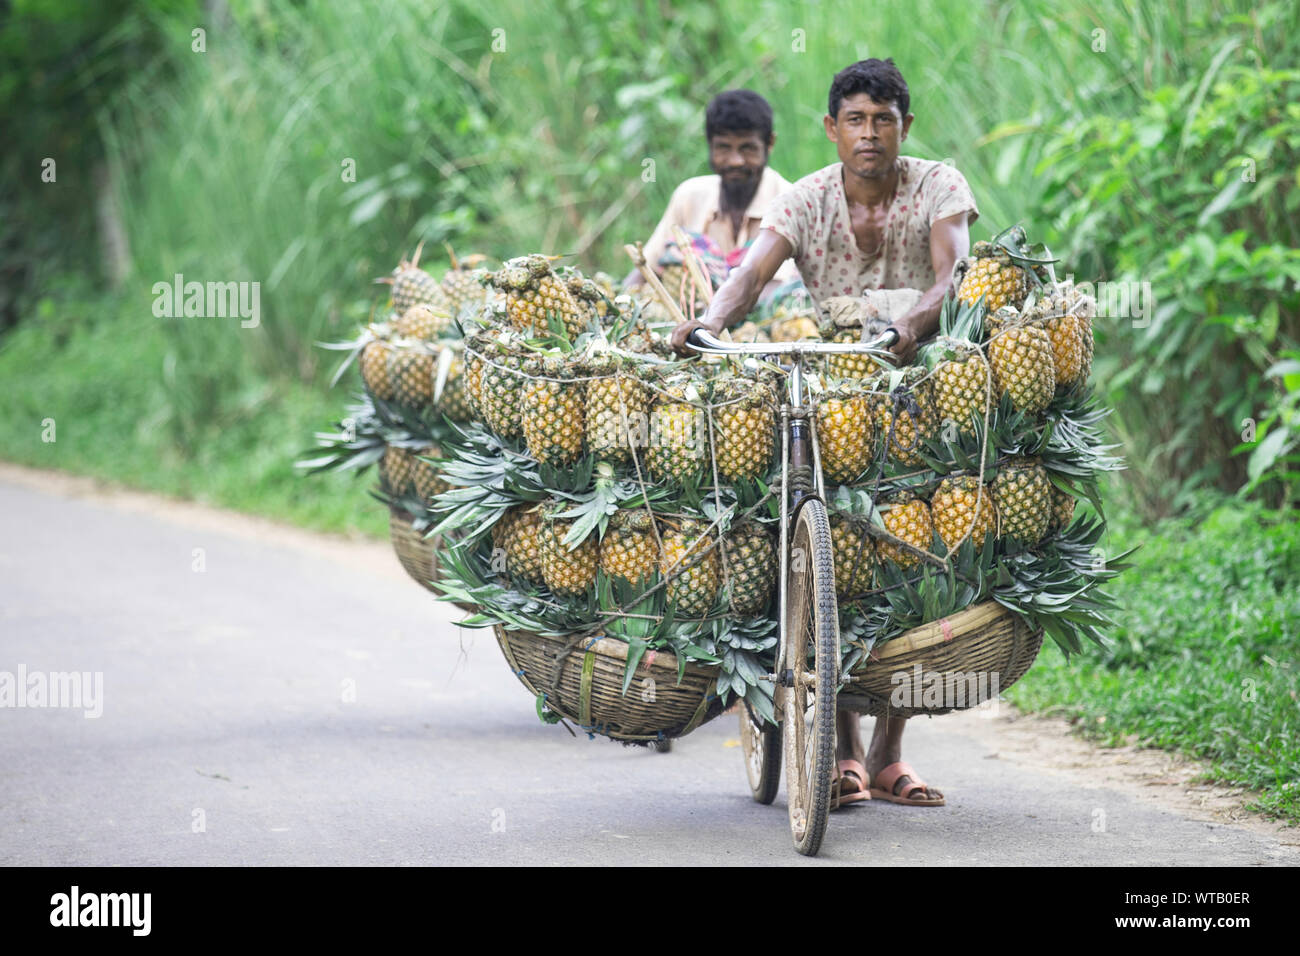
(235, 170)
(504, 126)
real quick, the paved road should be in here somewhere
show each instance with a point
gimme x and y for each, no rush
(223, 706)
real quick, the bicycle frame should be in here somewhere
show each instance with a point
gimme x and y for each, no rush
(799, 449)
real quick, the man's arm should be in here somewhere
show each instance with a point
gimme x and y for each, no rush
(740, 292)
(949, 241)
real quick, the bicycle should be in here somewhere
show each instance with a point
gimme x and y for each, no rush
(808, 610)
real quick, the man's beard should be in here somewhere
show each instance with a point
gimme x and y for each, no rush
(737, 194)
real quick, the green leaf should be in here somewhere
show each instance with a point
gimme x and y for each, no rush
(1267, 451)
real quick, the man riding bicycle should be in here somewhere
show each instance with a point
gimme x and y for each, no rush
(872, 220)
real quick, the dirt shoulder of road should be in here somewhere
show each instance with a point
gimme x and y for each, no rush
(1047, 744)
(1151, 776)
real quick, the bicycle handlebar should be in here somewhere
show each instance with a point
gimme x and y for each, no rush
(706, 342)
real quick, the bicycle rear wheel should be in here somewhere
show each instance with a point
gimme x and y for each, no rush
(762, 746)
(808, 718)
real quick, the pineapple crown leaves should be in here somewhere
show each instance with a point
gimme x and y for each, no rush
(915, 598)
(1058, 586)
(747, 657)
(487, 478)
(593, 509)
(959, 322)
(856, 504)
(371, 424)
(353, 347)
(357, 443)
(1015, 243)
(636, 614)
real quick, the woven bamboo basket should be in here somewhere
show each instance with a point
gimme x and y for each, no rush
(582, 678)
(950, 664)
(418, 554)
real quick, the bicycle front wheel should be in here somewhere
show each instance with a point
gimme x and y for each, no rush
(812, 646)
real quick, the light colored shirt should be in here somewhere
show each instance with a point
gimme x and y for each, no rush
(695, 206)
(814, 216)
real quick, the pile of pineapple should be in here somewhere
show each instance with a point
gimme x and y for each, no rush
(583, 479)
(606, 486)
(412, 365)
(967, 466)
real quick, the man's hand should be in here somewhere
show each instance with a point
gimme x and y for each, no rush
(680, 333)
(905, 347)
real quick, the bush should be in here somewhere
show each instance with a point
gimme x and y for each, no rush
(1194, 192)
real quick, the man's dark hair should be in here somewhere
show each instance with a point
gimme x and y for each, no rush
(879, 79)
(738, 111)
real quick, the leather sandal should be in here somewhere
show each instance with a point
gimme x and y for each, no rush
(850, 784)
(884, 788)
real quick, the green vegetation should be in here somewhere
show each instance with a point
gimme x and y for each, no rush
(108, 411)
(1202, 660)
(1144, 142)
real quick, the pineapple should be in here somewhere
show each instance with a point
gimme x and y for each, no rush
(397, 470)
(908, 518)
(566, 572)
(1066, 335)
(678, 433)
(605, 287)
(905, 415)
(855, 557)
(552, 412)
(403, 473)
(413, 286)
(693, 575)
(517, 535)
(628, 550)
(750, 567)
(454, 401)
(795, 328)
(844, 434)
(1082, 307)
(1065, 331)
(995, 276)
(500, 387)
(410, 370)
(749, 332)
(607, 284)
(534, 291)
(851, 366)
(462, 283)
(1062, 510)
(960, 507)
(476, 346)
(374, 369)
(617, 410)
(427, 480)
(423, 322)
(960, 383)
(1020, 353)
(744, 426)
(1022, 494)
